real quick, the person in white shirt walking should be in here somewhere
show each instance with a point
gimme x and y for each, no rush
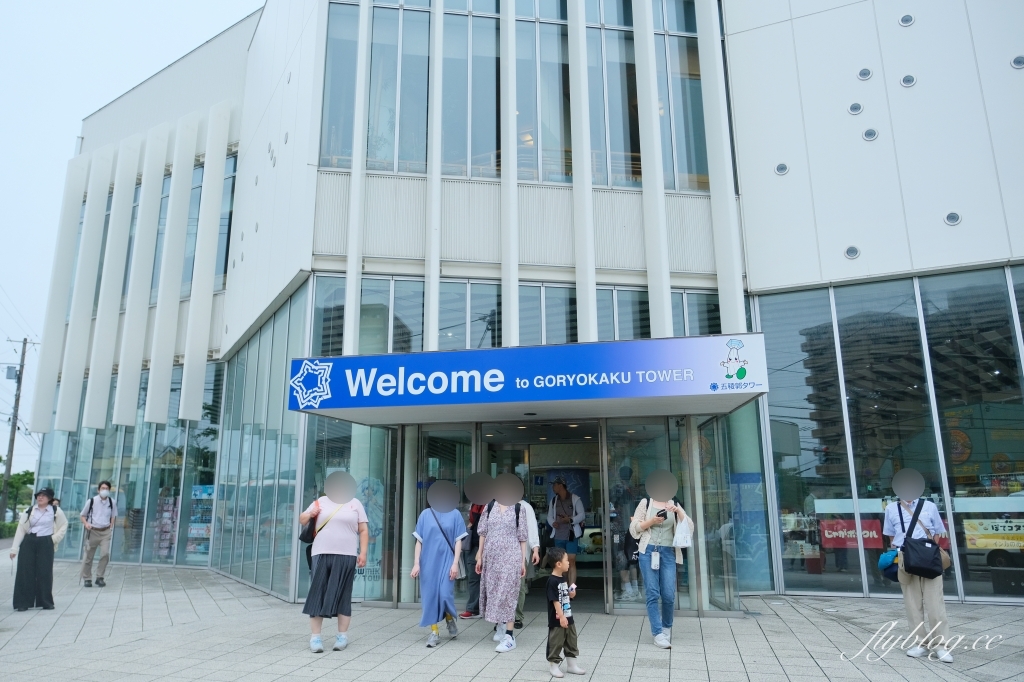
(920, 595)
(98, 518)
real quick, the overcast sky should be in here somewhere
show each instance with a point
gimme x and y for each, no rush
(59, 62)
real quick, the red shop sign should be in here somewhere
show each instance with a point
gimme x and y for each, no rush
(842, 533)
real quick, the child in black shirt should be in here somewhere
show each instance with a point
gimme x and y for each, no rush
(561, 628)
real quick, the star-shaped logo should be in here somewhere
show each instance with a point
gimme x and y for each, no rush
(306, 392)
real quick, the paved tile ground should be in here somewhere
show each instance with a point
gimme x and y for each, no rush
(179, 624)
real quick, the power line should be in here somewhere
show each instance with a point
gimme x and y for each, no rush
(14, 305)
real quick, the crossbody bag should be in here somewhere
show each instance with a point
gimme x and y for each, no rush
(461, 570)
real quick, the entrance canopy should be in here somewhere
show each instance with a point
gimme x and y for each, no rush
(652, 377)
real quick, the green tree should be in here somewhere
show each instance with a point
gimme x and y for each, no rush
(18, 485)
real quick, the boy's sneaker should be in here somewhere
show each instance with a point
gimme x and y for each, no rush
(433, 640)
(508, 643)
(572, 666)
(316, 644)
(453, 628)
(555, 670)
(661, 641)
(340, 642)
(469, 615)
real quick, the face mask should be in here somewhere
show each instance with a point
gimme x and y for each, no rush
(104, 493)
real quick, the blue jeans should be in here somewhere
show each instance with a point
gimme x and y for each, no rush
(659, 584)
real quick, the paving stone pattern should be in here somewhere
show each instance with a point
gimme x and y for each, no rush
(179, 624)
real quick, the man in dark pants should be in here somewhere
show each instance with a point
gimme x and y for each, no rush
(472, 577)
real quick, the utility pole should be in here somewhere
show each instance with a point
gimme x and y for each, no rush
(14, 429)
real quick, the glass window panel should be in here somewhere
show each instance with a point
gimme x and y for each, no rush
(605, 315)
(374, 316)
(634, 314)
(618, 12)
(165, 483)
(553, 9)
(678, 314)
(688, 110)
(593, 10)
(681, 16)
(556, 136)
(595, 87)
(489, 6)
(251, 527)
(663, 112)
(524, 8)
(486, 126)
(1017, 273)
(382, 114)
(560, 315)
(131, 246)
(485, 315)
(887, 393)
(232, 458)
(451, 316)
(103, 249)
(526, 99)
(407, 333)
(339, 86)
(412, 129)
(126, 538)
(455, 83)
(659, 19)
(530, 328)
(456, 5)
(194, 532)
(977, 376)
(808, 441)
(417, 3)
(623, 115)
(191, 232)
(328, 317)
(158, 251)
(705, 317)
(220, 278)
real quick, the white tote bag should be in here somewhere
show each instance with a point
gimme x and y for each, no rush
(684, 532)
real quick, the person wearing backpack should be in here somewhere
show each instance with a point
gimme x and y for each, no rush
(919, 518)
(501, 558)
(565, 516)
(98, 517)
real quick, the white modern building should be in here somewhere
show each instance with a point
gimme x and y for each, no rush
(834, 185)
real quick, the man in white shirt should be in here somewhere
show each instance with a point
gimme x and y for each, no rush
(98, 517)
(920, 595)
(533, 545)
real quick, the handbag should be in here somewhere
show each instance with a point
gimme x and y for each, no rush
(309, 529)
(946, 561)
(460, 572)
(888, 566)
(684, 533)
(920, 556)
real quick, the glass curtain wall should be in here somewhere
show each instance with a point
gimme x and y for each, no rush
(390, 316)
(622, 314)
(396, 136)
(131, 244)
(192, 230)
(338, 116)
(220, 279)
(469, 315)
(103, 248)
(696, 314)
(256, 482)
(471, 127)
(542, 92)
(161, 227)
(547, 314)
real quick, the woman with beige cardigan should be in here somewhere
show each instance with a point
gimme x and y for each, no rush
(654, 526)
(40, 530)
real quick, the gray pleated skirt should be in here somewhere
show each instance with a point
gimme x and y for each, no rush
(330, 588)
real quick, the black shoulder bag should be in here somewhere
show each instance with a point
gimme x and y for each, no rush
(920, 556)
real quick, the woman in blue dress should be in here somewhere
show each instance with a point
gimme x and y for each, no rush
(440, 530)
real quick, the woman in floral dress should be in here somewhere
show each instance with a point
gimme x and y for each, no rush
(501, 561)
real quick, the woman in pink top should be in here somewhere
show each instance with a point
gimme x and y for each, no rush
(338, 550)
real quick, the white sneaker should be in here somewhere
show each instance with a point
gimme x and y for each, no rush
(505, 645)
(917, 651)
(943, 655)
(667, 632)
(573, 667)
(662, 641)
(555, 670)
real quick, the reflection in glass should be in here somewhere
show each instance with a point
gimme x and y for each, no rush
(382, 106)
(131, 242)
(407, 333)
(593, 11)
(190, 233)
(530, 329)
(339, 86)
(595, 87)
(560, 315)
(227, 205)
(328, 317)
(681, 16)
(634, 314)
(374, 316)
(451, 316)
(412, 129)
(486, 126)
(455, 104)
(808, 442)
(524, 8)
(704, 315)
(618, 12)
(977, 375)
(688, 113)
(158, 250)
(553, 9)
(165, 483)
(623, 115)
(887, 395)
(526, 99)
(195, 528)
(485, 315)
(605, 315)
(663, 111)
(126, 538)
(556, 137)
(678, 314)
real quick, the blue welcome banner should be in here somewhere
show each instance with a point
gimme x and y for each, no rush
(730, 369)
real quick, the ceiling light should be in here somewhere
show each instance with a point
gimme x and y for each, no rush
(588, 437)
(489, 435)
(543, 438)
(630, 431)
(521, 427)
(573, 426)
